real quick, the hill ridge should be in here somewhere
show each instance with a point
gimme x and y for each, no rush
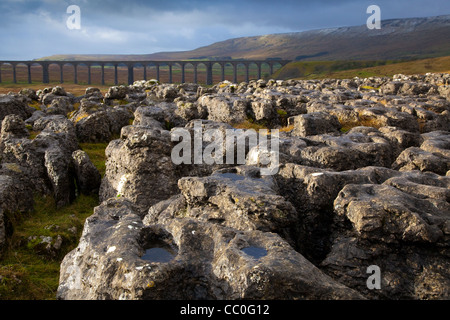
(408, 38)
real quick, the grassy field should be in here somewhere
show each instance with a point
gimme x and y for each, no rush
(441, 64)
(362, 69)
(25, 272)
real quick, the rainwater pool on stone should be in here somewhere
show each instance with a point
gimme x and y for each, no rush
(255, 252)
(232, 176)
(158, 255)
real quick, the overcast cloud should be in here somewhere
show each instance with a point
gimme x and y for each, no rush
(37, 28)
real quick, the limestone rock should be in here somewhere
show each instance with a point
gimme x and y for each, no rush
(98, 123)
(223, 108)
(12, 105)
(47, 158)
(87, 176)
(240, 198)
(14, 198)
(401, 226)
(263, 109)
(197, 260)
(139, 167)
(437, 142)
(315, 123)
(29, 93)
(58, 171)
(417, 159)
(60, 105)
(387, 214)
(13, 127)
(165, 113)
(117, 92)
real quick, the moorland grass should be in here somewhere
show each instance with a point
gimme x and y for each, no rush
(25, 273)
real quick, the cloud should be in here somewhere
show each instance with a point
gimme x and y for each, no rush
(35, 28)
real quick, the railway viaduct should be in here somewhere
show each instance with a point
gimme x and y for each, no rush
(131, 65)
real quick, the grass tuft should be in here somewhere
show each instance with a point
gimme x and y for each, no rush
(26, 274)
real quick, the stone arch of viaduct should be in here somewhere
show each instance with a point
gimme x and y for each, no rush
(133, 64)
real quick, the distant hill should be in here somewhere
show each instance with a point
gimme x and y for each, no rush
(411, 38)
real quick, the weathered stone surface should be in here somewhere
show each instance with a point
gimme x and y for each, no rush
(187, 110)
(35, 116)
(165, 113)
(59, 91)
(98, 123)
(390, 88)
(139, 167)
(406, 271)
(315, 123)
(223, 108)
(422, 185)
(401, 226)
(312, 192)
(47, 158)
(400, 139)
(263, 109)
(13, 126)
(29, 93)
(166, 92)
(379, 116)
(203, 265)
(418, 159)
(384, 213)
(323, 187)
(364, 149)
(117, 92)
(47, 95)
(240, 198)
(58, 168)
(88, 178)
(60, 105)
(14, 198)
(10, 104)
(437, 142)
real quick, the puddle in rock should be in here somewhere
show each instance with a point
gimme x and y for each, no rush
(255, 252)
(233, 176)
(158, 255)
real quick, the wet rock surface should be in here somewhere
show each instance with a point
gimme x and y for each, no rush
(208, 261)
(362, 180)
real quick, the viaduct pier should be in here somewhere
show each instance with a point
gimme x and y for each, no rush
(207, 66)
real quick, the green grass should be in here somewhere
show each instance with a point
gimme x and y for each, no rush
(362, 69)
(26, 271)
(26, 274)
(321, 69)
(250, 124)
(96, 152)
(441, 64)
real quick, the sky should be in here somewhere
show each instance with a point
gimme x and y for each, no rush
(32, 29)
